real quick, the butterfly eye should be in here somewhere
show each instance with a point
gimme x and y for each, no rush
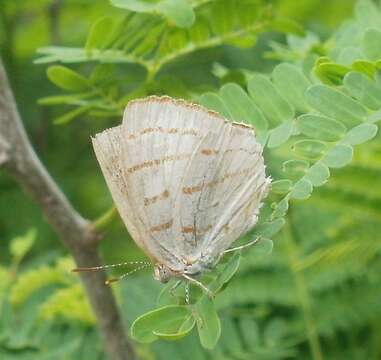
(162, 273)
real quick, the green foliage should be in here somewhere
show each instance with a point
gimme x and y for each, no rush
(143, 37)
(21, 245)
(168, 322)
(326, 123)
(179, 12)
(66, 303)
(208, 323)
(70, 304)
(173, 322)
(47, 295)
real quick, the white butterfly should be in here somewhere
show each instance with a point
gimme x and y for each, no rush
(186, 182)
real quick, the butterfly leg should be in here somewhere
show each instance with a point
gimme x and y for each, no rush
(243, 246)
(198, 283)
(187, 293)
(174, 287)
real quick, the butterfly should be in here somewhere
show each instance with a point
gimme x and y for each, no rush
(187, 183)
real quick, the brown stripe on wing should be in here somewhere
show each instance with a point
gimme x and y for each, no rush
(159, 129)
(190, 229)
(160, 227)
(187, 229)
(153, 199)
(208, 152)
(198, 188)
(156, 162)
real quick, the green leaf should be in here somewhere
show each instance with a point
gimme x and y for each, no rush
(166, 297)
(280, 209)
(269, 100)
(338, 156)
(71, 99)
(99, 33)
(262, 138)
(241, 107)
(287, 26)
(281, 186)
(176, 39)
(375, 116)
(309, 149)
(335, 104)
(280, 134)
(20, 246)
(262, 248)
(102, 73)
(182, 331)
(371, 44)
(60, 53)
(269, 229)
(360, 134)
(170, 320)
(363, 89)
(67, 79)
(222, 21)
(295, 169)
(367, 13)
(301, 190)
(292, 84)
(365, 67)
(331, 73)
(180, 12)
(213, 101)
(318, 174)
(208, 323)
(348, 55)
(227, 272)
(71, 115)
(200, 30)
(320, 127)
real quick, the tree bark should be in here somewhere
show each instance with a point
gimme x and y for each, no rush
(18, 158)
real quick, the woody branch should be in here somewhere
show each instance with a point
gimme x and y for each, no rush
(18, 158)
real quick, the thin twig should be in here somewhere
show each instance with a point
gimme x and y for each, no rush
(105, 219)
(21, 162)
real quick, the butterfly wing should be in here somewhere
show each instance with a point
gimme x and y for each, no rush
(224, 187)
(184, 180)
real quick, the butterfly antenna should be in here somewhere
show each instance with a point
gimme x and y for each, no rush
(96, 268)
(112, 280)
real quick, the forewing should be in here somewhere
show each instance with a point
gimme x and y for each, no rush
(161, 139)
(108, 150)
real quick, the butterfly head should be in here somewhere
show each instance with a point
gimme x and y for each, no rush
(162, 273)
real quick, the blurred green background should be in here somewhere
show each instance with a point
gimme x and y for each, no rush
(326, 280)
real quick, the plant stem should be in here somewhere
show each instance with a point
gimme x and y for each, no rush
(155, 65)
(290, 237)
(19, 159)
(105, 219)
